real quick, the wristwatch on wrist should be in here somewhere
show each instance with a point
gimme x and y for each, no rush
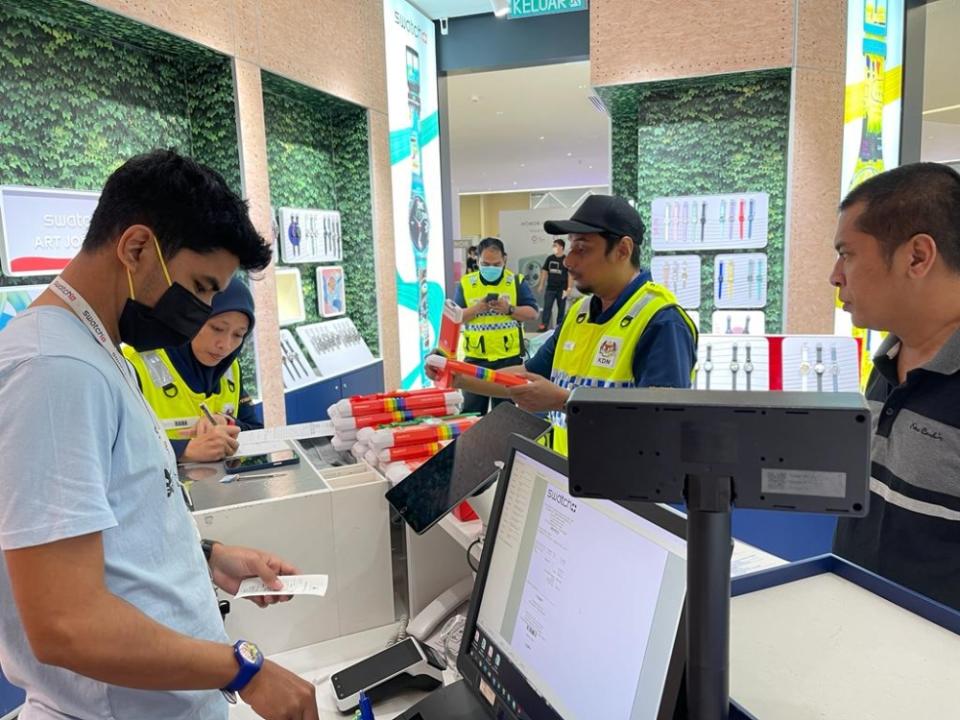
(250, 660)
(207, 547)
(510, 309)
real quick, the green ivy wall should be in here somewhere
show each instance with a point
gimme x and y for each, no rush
(83, 90)
(707, 136)
(318, 157)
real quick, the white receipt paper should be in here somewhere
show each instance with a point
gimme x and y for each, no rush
(292, 585)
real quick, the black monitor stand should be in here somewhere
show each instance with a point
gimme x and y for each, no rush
(801, 452)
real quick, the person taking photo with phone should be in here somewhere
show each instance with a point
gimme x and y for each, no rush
(495, 301)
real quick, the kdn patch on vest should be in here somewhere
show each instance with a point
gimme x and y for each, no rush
(607, 352)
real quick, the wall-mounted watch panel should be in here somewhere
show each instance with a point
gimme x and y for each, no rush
(824, 363)
(729, 362)
(680, 274)
(710, 222)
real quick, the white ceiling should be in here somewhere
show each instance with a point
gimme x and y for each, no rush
(436, 9)
(526, 129)
(941, 90)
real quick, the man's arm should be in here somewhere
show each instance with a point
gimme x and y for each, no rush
(526, 308)
(665, 353)
(73, 621)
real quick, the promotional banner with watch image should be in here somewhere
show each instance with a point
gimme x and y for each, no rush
(739, 322)
(820, 363)
(710, 222)
(295, 366)
(740, 280)
(417, 200)
(726, 362)
(680, 274)
(331, 298)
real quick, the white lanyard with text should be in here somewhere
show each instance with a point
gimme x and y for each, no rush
(81, 308)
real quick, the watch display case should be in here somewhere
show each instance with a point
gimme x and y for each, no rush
(680, 274)
(732, 363)
(821, 363)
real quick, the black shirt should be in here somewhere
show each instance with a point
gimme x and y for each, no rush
(472, 265)
(556, 272)
(912, 532)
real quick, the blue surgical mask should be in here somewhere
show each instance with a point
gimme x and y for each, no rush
(491, 273)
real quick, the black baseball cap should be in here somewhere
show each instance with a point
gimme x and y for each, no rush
(601, 214)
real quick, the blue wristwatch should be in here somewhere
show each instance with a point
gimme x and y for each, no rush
(250, 660)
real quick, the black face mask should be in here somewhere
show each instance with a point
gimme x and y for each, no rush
(174, 320)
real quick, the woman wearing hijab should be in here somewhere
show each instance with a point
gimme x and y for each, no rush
(176, 380)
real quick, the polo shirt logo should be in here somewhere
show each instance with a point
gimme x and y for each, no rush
(922, 430)
(607, 352)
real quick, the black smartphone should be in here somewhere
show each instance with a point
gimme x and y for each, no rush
(491, 297)
(246, 463)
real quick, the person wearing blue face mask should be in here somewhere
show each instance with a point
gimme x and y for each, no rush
(495, 302)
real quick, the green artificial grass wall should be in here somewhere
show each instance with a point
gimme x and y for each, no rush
(318, 157)
(83, 90)
(707, 136)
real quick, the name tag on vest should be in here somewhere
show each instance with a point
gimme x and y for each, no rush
(607, 352)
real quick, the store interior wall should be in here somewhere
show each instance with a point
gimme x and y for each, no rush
(733, 130)
(275, 37)
(131, 88)
(317, 153)
(806, 36)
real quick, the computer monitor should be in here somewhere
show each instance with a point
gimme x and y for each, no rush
(578, 602)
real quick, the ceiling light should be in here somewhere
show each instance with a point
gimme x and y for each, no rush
(499, 112)
(569, 154)
(523, 164)
(541, 137)
(501, 8)
(946, 108)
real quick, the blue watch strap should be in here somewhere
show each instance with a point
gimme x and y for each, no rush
(250, 660)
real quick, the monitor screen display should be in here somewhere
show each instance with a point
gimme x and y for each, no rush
(462, 467)
(581, 604)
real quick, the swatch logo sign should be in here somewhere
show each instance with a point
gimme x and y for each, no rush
(410, 27)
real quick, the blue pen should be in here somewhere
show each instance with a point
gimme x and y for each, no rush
(720, 284)
(366, 708)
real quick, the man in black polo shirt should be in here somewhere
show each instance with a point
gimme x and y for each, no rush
(558, 283)
(898, 269)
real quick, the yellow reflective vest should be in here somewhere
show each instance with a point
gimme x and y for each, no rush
(601, 354)
(489, 335)
(177, 406)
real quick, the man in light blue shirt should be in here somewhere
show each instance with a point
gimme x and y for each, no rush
(106, 603)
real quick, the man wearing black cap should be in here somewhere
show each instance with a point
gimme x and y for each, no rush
(627, 332)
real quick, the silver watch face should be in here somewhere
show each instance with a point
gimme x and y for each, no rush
(835, 370)
(734, 367)
(708, 366)
(819, 368)
(748, 367)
